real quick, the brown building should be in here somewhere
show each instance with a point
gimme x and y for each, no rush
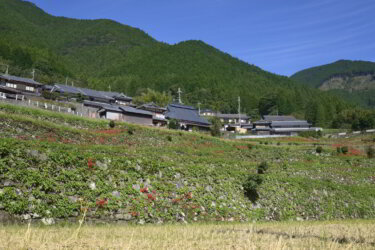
(14, 85)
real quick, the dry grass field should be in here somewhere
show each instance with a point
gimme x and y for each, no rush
(356, 234)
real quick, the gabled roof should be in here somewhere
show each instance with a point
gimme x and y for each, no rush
(185, 113)
(279, 118)
(232, 116)
(151, 105)
(128, 109)
(112, 108)
(20, 79)
(262, 122)
(92, 93)
(290, 123)
(123, 109)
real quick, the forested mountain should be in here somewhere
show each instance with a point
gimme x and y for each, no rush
(99, 53)
(352, 80)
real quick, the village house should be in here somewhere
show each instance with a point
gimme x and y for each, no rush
(187, 116)
(157, 111)
(233, 118)
(17, 87)
(281, 125)
(125, 114)
(207, 112)
(91, 95)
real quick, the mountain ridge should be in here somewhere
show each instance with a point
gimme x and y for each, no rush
(351, 80)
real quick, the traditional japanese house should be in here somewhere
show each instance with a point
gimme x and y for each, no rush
(233, 118)
(14, 85)
(281, 125)
(92, 95)
(187, 117)
(157, 111)
(126, 114)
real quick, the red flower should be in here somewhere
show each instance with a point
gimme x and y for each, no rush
(144, 190)
(90, 163)
(189, 195)
(150, 197)
(102, 202)
(134, 214)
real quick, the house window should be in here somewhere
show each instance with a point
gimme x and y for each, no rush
(30, 88)
(11, 85)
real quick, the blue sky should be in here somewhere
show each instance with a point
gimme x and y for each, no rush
(280, 36)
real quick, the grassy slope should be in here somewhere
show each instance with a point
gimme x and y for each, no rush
(45, 168)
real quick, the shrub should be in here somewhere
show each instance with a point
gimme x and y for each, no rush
(262, 168)
(370, 152)
(169, 138)
(131, 130)
(344, 150)
(278, 144)
(338, 150)
(173, 124)
(314, 134)
(250, 186)
(266, 142)
(215, 127)
(249, 146)
(319, 149)
(73, 107)
(112, 124)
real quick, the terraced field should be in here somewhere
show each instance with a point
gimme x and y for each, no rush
(56, 168)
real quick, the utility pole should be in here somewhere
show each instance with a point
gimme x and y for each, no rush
(239, 110)
(7, 70)
(199, 108)
(33, 73)
(66, 81)
(179, 95)
(109, 87)
(72, 84)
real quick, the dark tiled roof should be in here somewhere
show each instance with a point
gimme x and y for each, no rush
(262, 122)
(289, 123)
(279, 118)
(20, 79)
(92, 104)
(123, 109)
(47, 87)
(185, 113)
(113, 108)
(232, 116)
(128, 109)
(151, 105)
(92, 93)
(207, 111)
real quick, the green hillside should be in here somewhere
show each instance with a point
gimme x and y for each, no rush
(353, 81)
(56, 166)
(99, 53)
